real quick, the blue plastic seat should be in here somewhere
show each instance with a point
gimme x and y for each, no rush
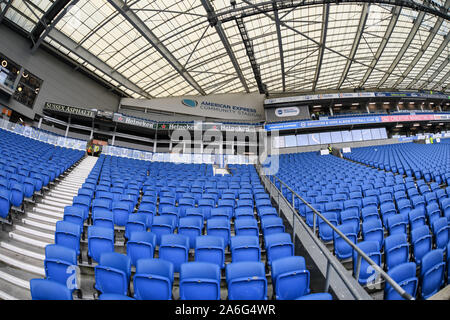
(396, 250)
(432, 271)
(246, 227)
(397, 223)
(246, 281)
(421, 242)
(112, 274)
(103, 219)
(199, 281)
(153, 279)
(5, 203)
(433, 213)
(272, 224)
(210, 249)
(174, 248)
(219, 227)
(316, 296)
(43, 289)
(369, 213)
(440, 230)
(121, 211)
(162, 225)
(278, 245)
(245, 248)
(416, 218)
(100, 240)
(191, 226)
(366, 271)
(113, 296)
(342, 249)
(325, 231)
(68, 235)
(60, 265)
(290, 278)
(241, 212)
(405, 275)
(141, 245)
(136, 222)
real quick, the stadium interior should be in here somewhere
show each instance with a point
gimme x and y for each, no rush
(224, 150)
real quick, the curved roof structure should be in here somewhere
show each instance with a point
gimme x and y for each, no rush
(155, 48)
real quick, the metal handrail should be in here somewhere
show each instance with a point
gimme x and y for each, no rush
(361, 254)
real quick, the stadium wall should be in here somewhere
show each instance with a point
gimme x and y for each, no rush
(355, 144)
(61, 84)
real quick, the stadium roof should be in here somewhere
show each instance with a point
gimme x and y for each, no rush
(160, 48)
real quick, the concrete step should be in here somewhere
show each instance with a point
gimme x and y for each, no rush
(44, 217)
(39, 224)
(29, 239)
(24, 249)
(48, 209)
(65, 189)
(62, 195)
(44, 235)
(53, 201)
(22, 262)
(10, 291)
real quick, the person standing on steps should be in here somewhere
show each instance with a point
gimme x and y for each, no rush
(330, 149)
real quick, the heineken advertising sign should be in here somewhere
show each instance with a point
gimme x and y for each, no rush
(120, 118)
(68, 109)
(134, 121)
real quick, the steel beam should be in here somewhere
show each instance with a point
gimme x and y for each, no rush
(442, 47)
(142, 28)
(251, 54)
(249, 8)
(358, 36)
(383, 43)
(280, 45)
(444, 78)
(404, 48)
(422, 50)
(84, 54)
(7, 6)
(53, 11)
(323, 40)
(436, 73)
(221, 33)
(37, 42)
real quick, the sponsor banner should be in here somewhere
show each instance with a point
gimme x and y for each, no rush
(430, 95)
(354, 120)
(68, 109)
(134, 121)
(287, 112)
(402, 139)
(221, 106)
(182, 126)
(424, 117)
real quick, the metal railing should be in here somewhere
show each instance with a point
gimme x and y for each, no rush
(330, 262)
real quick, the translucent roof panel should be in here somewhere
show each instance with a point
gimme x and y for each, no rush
(178, 52)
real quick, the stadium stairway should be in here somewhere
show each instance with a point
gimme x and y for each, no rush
(22, 250)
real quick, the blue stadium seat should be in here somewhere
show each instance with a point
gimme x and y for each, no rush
(112, 274)
(246, 281)
(43, 289)
(290, 278)
(432, 271)
(199, 281)
(100, 240)
(278, 245)
(396, 250)
(141, 245)
(153, 279)
(210, 249)
(245, 248)
(405, 275)
(174, 248)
